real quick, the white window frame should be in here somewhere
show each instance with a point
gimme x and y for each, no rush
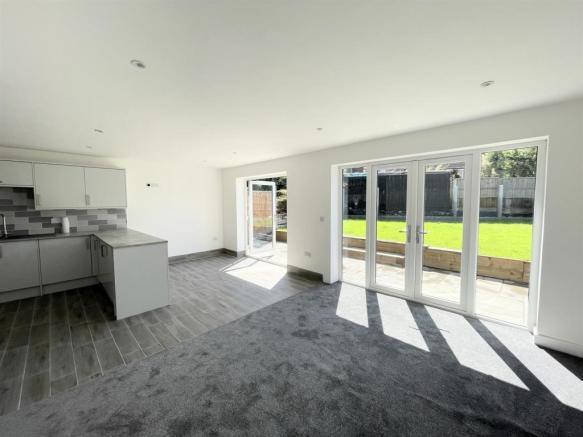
(471, 219)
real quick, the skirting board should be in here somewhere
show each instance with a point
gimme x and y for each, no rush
(194, 256)
(199, 255)
(234, 253)
(558, 345)
(308, 274)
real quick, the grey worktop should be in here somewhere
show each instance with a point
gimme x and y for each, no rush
(116, 239)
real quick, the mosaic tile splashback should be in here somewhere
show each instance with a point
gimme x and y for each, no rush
(17, 204)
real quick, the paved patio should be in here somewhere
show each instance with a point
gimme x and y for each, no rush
(502, 300)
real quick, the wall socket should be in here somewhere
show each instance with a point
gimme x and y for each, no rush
(308, 254)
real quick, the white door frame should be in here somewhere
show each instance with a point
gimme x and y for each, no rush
(250, 236)
(471, 222)
(408, 290)
(419, 223)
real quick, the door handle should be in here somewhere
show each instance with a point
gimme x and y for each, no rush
(419, 232)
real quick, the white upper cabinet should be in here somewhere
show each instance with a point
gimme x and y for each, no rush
(105, 188)
(15, 174)
(59, 186)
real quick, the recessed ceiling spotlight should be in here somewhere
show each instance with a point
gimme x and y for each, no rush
(99, 131)
(319, 128)
(137, 63)
(487, 83)
(234, 153)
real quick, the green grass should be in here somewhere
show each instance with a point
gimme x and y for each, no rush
(503, 239)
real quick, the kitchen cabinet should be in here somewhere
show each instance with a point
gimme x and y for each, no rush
(59, 186)
(65, 259)
(132, 268)
(16, 174)
(135, 278)
(105, 187)
(19, 265)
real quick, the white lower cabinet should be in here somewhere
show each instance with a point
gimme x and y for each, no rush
(135, 278)
(19, 265)
(65, 259)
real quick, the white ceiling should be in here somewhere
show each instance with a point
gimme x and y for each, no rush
(259, 77)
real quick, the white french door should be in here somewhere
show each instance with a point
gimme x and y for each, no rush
(418, 221)
(442, 231)
(261, 218)
(461, 231)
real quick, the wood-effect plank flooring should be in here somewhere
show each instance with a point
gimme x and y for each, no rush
(51, 343)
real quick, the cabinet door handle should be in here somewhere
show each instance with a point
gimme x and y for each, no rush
(37, 199)
(0, 252)
(95, 245)
(88, 244)
(87, 199)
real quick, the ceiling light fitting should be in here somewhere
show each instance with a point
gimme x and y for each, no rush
(487, 83)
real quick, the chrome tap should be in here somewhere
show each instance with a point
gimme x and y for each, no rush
(4, 230)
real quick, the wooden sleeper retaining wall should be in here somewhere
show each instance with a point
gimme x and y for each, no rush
(392, 253)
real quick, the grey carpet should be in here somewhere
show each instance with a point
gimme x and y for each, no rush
(298, 368)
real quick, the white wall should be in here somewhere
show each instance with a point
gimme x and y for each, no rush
(309, 197)
(184, 209)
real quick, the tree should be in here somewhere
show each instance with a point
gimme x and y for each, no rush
(510, 163)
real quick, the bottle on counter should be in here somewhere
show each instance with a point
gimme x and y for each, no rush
(66, 225)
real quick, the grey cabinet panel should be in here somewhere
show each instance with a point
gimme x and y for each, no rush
(59, 186)
(105, 187)
(95, 256)
(15, 174)
(106, 270)
(65, 259)
(19, 265)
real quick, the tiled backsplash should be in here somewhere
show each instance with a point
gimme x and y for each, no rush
(17, 204)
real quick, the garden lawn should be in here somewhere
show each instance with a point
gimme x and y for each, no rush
(502, 239)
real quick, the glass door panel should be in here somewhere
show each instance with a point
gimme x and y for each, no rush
(440, 229)
(392, 225)
(261, 217)
(507, 195)
(354, 181)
